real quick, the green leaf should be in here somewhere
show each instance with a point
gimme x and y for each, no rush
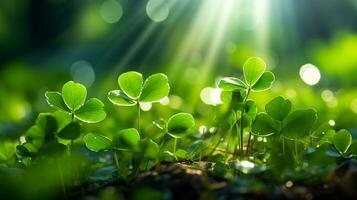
(342, 140)
(264, 125)
(118, 97)
(97, 143)
(155, 88)
(55, 100)
(253, 69)
(127, 139)
(70, 132)
(26, 150)
(278, 108)
(149, 149)
(231, 83)
(91, 112)
(131, 83)
(251, 109)
(265, 82)
(179, 123)
(352, 150)
(181, 154)
(299, 123)
(74, 95)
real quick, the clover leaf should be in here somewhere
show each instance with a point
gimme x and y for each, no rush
(97, 143)
(70, 132)
(299, 123)
(278, 108)
(253, 69)
(72, 101)
(127, 139)
(133, 90)
(255, 77)
(342, 140)
(264, 125)
(179, 123)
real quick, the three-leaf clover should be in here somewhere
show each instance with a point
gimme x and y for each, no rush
(134, 90)
(72, 100)
(177, 126)
(255, 77)
(271, 122)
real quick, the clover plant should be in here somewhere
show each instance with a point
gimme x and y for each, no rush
(256, 79)
(126, 140)
(133, 90)
(177, 126)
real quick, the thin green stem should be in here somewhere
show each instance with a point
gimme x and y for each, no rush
(175, 143)
(61, 177)
(248, 145)
(116, 161)
(138, 116)
(229, 141)
(241, 122)
(281, 136)
(296, 150)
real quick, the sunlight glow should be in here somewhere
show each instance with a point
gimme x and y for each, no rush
(310, 74)
(145, 106)
(157, 10)
(111, 11)
(83, 72)
(211, 96)
(164, 101)
(332, 122)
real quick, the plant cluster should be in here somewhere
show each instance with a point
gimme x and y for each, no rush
(244, 141)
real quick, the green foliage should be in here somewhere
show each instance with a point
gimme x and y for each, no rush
(133, 90)
(342, 140)
(299, 123)
(70, 132)
(253, 69)
(72, 101)
(96, 142)
(278, 108)
(74, 95)
(179, 123)
(264, 125)
(127, 139)
(255, 77)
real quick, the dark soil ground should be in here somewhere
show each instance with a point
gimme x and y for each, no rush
(183, 181)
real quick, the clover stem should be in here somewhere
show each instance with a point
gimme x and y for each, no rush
(281, 136)
(229, 141)
(175, 143)
(71, 161)
(138, 117)
(296, 149)
(241, 121)
(61, 177)
(248, 145)
(116, 161)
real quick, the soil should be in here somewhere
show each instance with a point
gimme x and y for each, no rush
(183, 181)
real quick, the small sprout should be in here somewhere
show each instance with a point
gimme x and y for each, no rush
(72, 101)
(342, 140)
(97, 143)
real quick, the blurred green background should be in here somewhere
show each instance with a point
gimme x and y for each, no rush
(311, 46)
